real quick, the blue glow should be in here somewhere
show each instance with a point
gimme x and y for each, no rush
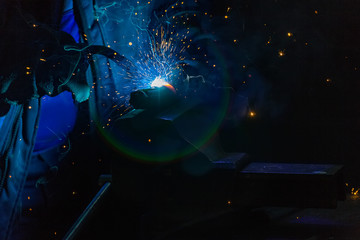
(155, 36)
(69, 25)
(165, 43)
(2, 121)
(57, 120)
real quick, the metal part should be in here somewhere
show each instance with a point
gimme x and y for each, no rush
(290, 185)
(88, 212)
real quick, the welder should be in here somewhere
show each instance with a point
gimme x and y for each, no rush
(35, 66)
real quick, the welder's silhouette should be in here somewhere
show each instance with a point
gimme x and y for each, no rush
(37, 59)
(34, 62)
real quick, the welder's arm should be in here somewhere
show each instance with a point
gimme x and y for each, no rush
(35, 62)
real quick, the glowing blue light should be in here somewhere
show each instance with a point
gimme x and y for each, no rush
(57, 120)
(158, 82)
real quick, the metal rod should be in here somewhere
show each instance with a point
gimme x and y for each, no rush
(93, 205)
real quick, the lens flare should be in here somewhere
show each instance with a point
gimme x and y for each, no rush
(170, 48)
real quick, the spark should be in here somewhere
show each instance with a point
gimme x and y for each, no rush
(158, 82)
(162, 41)
(281, 53)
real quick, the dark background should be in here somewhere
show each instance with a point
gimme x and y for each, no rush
(305, 102)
